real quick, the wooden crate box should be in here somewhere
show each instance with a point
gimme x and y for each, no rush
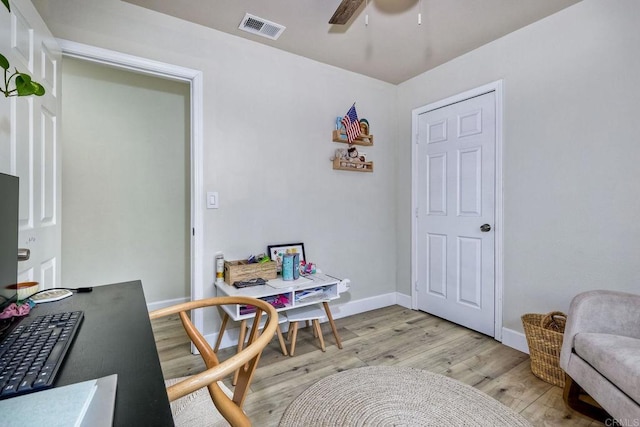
(241, 270)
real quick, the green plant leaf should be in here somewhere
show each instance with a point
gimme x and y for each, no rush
(25, 86)
(4, 62)
(6, 3)
(38, 89)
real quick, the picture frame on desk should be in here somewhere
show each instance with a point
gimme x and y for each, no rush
(276, 252)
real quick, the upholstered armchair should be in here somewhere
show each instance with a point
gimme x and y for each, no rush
(601, 355)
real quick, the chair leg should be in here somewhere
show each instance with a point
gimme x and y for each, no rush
(223, 327)
(574, 397)
(243, 330)
(293, 332)
(332, 323)
(318, 333)
(283, 346)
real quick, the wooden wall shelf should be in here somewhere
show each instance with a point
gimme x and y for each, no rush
(353, 166)
(366, 140)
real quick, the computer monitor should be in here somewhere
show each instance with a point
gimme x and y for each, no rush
(9, 185)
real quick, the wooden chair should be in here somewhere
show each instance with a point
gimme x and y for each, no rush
(246, 361)
(244, 329)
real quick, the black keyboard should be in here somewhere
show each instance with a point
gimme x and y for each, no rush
(32, 353)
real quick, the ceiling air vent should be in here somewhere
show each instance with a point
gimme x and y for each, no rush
(261, 27)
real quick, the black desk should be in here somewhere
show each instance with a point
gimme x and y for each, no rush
(116, 338)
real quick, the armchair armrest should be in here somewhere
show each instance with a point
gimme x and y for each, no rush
(607, 312)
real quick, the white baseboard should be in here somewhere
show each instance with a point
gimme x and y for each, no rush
(350, 308)
(515, 339)
(403, 300)
(166, 303)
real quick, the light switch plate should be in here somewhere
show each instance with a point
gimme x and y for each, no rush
(212, 200)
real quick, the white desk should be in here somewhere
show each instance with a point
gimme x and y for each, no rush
(294, 292)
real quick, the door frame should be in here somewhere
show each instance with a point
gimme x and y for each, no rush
(496, 87)
(195, 80)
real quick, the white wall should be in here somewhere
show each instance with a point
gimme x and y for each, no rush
(267, 135)
(570, 147)
(125, 180)
(571, 153)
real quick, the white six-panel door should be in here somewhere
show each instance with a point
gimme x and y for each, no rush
(29, 140)
(455, 215)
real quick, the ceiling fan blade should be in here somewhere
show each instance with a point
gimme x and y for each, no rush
(344, 11)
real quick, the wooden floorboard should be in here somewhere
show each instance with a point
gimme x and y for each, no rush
(393, 336)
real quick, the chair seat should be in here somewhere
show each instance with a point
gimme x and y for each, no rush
(306, 313)
(615, 357)
(197, 409)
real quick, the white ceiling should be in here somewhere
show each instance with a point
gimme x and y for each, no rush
(392, 47)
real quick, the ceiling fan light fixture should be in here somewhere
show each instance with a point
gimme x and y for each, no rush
(261, 27)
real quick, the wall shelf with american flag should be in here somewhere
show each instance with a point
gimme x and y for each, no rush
(340, 136)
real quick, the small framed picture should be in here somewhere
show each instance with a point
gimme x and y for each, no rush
(277, 252)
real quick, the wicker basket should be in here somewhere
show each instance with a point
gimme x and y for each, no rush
(544, 334)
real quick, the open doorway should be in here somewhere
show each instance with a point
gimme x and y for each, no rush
(125, 180)
(195, 203)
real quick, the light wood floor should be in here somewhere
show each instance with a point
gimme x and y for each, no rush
(388, 336)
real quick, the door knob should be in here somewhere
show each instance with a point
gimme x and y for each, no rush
(485, 227)
(23, 254)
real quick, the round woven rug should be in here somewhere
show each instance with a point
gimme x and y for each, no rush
(391, 396)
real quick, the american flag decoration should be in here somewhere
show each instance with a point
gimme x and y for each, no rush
(351, 124)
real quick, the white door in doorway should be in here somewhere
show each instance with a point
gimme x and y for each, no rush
(29, 140)
(456, 212)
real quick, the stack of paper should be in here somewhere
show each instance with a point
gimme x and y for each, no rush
(61, 406)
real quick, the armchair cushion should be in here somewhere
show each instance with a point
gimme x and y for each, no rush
(615, 357)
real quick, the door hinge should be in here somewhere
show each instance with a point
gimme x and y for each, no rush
(416, 286)
(193, 231)
(417, 212)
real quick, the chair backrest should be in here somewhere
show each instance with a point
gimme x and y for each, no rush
(246, 360)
